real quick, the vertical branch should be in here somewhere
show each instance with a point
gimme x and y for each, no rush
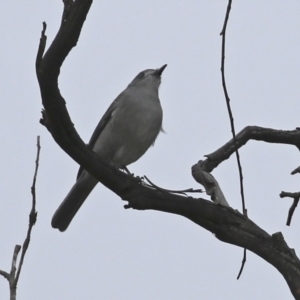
(296, 197)
(33, 212)
(15, 271)
(223, 34)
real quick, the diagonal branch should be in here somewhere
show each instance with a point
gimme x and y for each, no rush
(227, 224)
(268, 135)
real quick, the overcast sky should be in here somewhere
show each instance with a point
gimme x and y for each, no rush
(112, 253)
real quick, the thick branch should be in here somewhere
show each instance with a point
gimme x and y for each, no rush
(228, 225)
(268, 135)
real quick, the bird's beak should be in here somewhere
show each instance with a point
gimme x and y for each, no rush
(159, 71)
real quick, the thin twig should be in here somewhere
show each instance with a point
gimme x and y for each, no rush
(15, 271)
(191, 190)
(243, 264)
(41, 48)
(297, 170)
(296, 197)
(223, 34)
(4, 274)
(33, 212)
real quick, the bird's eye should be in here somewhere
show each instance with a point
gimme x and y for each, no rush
(141, 75)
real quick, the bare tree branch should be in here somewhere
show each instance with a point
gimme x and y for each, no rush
(223, 34)
(268, 135)
(14, 275)
(239, 164)
(33, 212)
(227, 224)
(210, 184)
(297, 170)
(296, 197)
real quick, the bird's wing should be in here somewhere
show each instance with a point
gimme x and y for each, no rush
(101, 125)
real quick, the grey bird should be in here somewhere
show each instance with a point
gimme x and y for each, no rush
(125, 132)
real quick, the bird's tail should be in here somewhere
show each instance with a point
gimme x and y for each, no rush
(73, 201)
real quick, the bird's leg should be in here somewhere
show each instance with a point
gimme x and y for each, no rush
(138, 178)
(127, 171)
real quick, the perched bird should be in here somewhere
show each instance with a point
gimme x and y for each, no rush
(126, 131)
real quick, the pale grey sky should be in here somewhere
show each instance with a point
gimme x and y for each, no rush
(112, 253)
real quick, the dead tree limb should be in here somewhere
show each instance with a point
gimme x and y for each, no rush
(16, 268)
(227, 224)
(268, 135)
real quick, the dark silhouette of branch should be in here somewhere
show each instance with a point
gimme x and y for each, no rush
(158, 188)
(243, 264)
(228, 225)
(297, 170)
(268, 135)
(223, 34)
(296, 197)
(14, 274)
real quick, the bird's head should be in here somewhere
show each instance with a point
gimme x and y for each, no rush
(149, 78)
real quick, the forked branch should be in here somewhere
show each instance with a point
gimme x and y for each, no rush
(227, 224)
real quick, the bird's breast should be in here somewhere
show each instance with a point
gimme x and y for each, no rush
(132, 129)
